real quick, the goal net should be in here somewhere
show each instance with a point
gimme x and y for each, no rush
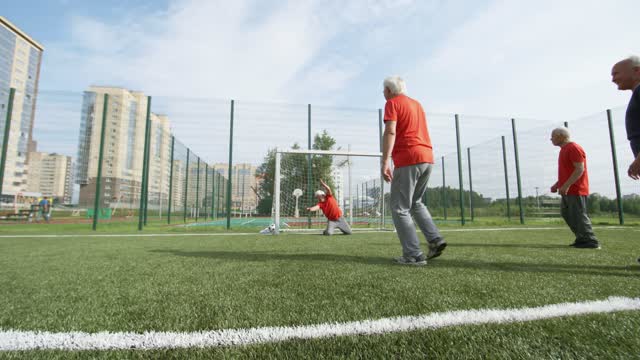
(354, 179)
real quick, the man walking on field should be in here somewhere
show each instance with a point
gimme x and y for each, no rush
(406, 140)
(626, 74)
(573, 186)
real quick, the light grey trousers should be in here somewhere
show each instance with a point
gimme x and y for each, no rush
(341, 224)
(574, 211)
(407, 189)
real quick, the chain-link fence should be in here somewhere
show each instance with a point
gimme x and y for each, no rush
(111, 155)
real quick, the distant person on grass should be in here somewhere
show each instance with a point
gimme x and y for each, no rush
(329, 206)
(406, 140)
(573, 186)
(626, 74)
(44, 208)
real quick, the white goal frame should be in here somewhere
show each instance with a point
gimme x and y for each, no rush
(348, 154)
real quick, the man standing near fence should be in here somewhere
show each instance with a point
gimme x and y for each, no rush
(406, 140)
(573, 186)
(626, 74)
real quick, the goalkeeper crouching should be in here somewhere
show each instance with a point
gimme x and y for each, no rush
(329, 206)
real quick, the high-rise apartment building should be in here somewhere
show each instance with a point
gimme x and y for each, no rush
(20, 58)
(244, 185)
(123, 149)
(51, 176)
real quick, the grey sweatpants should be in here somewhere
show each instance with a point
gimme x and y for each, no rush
(341, 224)
(407, 188)
(574, 211)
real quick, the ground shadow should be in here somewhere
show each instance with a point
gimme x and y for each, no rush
(627, 270)
(531, 246)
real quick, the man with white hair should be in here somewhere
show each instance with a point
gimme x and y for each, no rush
(406, 140)
(329, 206)
(626, 74)
(573, 186)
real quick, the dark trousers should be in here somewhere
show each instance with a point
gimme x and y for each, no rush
(574, 211)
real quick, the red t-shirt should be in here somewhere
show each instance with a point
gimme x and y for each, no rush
(330, 208)
(413, 144)
(569, 154)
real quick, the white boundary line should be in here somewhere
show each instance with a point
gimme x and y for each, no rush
(31, 340)
(318, 231)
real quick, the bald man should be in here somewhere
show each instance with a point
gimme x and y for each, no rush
(626, 74)
(573, 186)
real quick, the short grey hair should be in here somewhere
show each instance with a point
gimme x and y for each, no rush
(395, 84)
(320, 193)
(634, 60)
(562, 131)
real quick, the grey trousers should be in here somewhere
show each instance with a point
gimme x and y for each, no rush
(341, 224)
(407, 188)
(574, 211)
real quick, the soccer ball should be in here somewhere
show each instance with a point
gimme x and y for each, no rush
(269, 230)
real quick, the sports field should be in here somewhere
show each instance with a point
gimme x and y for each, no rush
(235, 295)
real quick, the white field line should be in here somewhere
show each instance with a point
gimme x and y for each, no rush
(30, 340)
(315, 232)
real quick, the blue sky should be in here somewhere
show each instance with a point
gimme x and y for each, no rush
(542, 61)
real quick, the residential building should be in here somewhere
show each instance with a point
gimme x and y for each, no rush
(51, 175)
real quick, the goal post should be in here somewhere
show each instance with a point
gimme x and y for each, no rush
(354, 179)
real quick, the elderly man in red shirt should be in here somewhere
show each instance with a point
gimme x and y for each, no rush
(573, 186)
(406, 141)
(329, 206)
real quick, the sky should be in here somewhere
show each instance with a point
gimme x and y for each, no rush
(490, 60)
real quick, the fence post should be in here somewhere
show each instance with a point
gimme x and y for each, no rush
(614, 156)
(380, 136)
(470, 184)
(506, 177)
(460, 181)
(213, 192)
(230, 169)
(444, 192)
(515, 149)
(148, 166)
(173, 143)
(198, 190)
(186, 186)
(205, 188)
(7, 134)
(309, 165)
(96, 203)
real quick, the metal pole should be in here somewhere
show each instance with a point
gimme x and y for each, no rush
(230, 167)
(148, 162)
(276, 195)
(380, 122)
(470, 184)
(614, 156)
(186, 186)
(444, 191)
(460, 181)
(7, 134)
(198, 190)
(173, 143)
(566, 124)
(515, 149)
(206, 184)
(506, 177)
(96, 203)
(213, 192)
(309, 174)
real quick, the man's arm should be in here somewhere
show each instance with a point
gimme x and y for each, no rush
(578, 170)
(326, 187)
(313, 208)
(388, 140)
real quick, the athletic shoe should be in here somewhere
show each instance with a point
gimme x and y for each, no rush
(436, 248)
(587, 245)
(411, 260)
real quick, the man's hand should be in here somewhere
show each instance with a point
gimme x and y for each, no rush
(562, 190)
(634, 169)
(386, 171)
(554, 188)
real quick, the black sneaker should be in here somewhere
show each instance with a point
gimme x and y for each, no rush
(410, 260)
(436, 248)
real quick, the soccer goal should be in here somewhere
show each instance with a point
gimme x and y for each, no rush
(355, 181)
